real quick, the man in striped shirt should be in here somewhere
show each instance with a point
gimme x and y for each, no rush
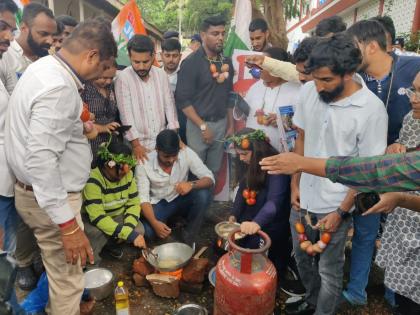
(111, 203)
(144, 97)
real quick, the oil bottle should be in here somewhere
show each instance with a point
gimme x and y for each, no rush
(121, 299)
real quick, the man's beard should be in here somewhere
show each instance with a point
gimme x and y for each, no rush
(143, 73)
(38, 50)
(329, 97)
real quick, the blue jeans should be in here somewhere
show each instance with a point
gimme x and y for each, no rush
(193, 206)
(363, 245)
(8, 222)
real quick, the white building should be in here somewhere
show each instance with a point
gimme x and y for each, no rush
(405, 13)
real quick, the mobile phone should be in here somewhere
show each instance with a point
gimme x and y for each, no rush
(365, 201)
(122, 129)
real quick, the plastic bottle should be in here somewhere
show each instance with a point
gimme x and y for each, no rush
(121, 299)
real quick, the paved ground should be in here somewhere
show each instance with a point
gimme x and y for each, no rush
(143, 301)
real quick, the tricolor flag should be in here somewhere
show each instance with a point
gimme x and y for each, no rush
(238, 37)
(20, 4)
(125, 25)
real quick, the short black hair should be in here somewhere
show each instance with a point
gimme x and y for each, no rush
(304, 49)
(8, 5)
(60, 28)
(277, 53)
(215, 20)
(67, 20)
(32, 10)
(388, 25)
(258, 24)
(115, 147)
(140, 44)
(171, 44)
(333, 24)
(337, 53)
(167, 141)
(367, 31)
(92, 34)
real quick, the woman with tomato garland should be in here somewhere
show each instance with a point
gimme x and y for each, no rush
(111, 205)
(263, 200)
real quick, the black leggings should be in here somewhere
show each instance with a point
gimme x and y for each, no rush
(405, 306)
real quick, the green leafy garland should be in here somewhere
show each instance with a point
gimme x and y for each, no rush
(255, 135)
(120, 158)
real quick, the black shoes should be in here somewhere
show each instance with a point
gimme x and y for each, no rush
(302, 308)
(292, 287)
(26, 278)
(113, 251)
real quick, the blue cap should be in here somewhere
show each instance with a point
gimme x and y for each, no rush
(196, 37)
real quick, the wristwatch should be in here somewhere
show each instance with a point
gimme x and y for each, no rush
(343, 214)
(193, 184)
(203, 127)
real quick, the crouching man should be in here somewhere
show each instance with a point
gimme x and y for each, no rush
(111, 204)
(165, 190)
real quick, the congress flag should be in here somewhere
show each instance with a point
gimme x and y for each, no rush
(238, 37)
(125, 25)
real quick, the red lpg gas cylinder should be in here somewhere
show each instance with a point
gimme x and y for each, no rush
(246, 280)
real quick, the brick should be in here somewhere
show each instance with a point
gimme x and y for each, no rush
(139, 280)
(142, 267)
(195, 271)
(164, 285)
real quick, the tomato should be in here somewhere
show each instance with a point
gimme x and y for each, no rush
(310, 250)
(326, 237)
(245, 193)
(126, 168)
(213, 68)
(85, 115)
(224, 68)
(252, 194)
(251, 201)
(305, 244)
(300, 228)
(302, 238)
(260, 120)
(245, 143)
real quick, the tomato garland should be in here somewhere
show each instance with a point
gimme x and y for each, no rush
(250, 196)
(222, 75)
(306, 245)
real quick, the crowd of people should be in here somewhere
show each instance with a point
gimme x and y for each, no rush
(76, 185)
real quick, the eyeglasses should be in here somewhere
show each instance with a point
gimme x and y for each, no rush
(410, 92)
(4, 26)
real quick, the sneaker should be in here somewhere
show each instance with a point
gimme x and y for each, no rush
(26, 278)
(115, 251)
(292, 287)
(302, 308)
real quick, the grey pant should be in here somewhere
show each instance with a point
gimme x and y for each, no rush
(210, 154)
(98, 239)
(322, 275)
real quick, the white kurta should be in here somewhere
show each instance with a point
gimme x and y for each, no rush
(6, 175)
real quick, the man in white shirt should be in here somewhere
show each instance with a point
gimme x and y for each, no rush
(266, 97)
(171, 56)
(144, 97)
(50, 156)
(337, 116)
(165, 191)
(34, 40)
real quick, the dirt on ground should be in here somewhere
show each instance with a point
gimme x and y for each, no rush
(144, 301)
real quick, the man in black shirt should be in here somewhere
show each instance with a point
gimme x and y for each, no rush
(202, 93)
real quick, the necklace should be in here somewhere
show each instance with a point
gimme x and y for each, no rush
(260, 113)
(223, 74)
